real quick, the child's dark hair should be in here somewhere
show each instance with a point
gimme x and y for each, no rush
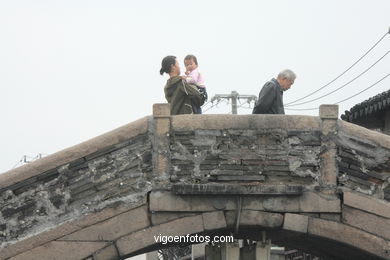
(191, 57)
(166, 64)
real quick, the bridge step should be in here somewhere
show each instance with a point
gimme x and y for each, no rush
(236, 189)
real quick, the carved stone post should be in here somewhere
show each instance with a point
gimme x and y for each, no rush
(329, 115)
(161, 130)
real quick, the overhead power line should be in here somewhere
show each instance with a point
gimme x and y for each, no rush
(363, 90)
(343, 100)
(346, 84)
(330, 82)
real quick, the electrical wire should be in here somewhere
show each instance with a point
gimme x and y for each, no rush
(218, 101)
(349, 82)
(302, 109)
(365, 54)
(363, 90)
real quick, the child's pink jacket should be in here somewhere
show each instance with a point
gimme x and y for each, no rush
(195, 78)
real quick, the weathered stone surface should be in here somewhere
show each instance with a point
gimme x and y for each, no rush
(363, 133)
(209, 122)
(214, 188)
(73, 153)
(329, 168)
(317, 202)
(240, 178)
(349, 235)
(214, 220)
(162, 126)
(276, 203)
(308, 202)
(68, 192)
(107, 253)
(296, 222)
(166, 201)
(113, 228)
(329, 126)
(57, 250)
(374, 224)
(258, 152)
(331, 216)
(158, 218)
(62, 230)
(161, 110)
(246, 155)
(141, 239)
(329, 111)
(366, 203)
(255, 218)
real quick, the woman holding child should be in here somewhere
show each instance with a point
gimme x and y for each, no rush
(183, 97)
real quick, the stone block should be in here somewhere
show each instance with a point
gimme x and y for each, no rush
(147, 237)
(162, 165)
(107, 253)
(162, 126)
(317, 202)
(329, 168)
(166, 201)
(214, 220)
(362, 133)
(161, 110)
(158, 218)
(296, 222)
(237, 189)
(113, 228)
(371, 223)
(307, 202)
(255, 218)
(350, 236)
(62, 230)
(331, 216)
(367, 203)
(246, 122)
(329, 111)
(328, 127)
(274, 203)
(57, 250)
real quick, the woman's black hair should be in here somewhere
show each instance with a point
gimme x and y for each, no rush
(166, 64)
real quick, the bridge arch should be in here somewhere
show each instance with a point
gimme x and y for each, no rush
(310, 182)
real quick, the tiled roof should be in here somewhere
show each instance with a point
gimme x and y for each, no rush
(371, 106)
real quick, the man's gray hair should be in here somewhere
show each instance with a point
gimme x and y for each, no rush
(287, 74)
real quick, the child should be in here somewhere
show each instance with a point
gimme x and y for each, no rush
(194, 77)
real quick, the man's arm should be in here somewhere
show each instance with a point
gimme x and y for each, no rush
(266, 98)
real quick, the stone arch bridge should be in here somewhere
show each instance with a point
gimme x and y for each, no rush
(312, 183)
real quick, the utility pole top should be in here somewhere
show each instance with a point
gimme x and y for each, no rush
(234, 96)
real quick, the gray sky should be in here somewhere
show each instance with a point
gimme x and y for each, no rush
(72, 70)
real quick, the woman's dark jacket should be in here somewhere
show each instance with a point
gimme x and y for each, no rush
(182, 96)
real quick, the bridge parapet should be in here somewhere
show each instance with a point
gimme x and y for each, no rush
(162, 168)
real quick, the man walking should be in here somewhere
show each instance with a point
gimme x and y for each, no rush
(271, 95)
